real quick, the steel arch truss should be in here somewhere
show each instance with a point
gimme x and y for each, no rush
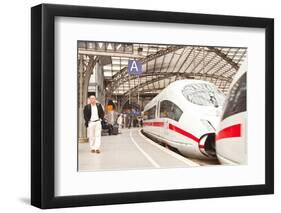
(163, 64)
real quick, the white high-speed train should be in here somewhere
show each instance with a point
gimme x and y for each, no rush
(185, 116)
(231, 141)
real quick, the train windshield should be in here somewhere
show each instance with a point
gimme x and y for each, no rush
(203, 94)
(236, 101)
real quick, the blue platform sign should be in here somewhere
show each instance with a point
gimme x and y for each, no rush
(134, 67)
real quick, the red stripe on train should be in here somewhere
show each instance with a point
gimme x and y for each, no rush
(160, 124)
(229, 132)
(183, 132)
(174, 128)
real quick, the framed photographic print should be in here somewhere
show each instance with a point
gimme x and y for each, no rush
(139, 106)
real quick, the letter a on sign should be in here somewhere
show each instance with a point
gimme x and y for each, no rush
(134, 67)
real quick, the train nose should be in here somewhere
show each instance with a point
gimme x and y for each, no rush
(211, 119)
(207, 145)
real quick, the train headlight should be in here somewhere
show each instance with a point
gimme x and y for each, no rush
(208, 125)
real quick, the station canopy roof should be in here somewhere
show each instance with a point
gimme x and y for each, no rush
(163, 64)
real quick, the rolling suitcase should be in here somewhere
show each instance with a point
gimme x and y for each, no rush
(115, 129)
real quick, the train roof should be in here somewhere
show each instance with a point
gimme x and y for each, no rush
(175, 87)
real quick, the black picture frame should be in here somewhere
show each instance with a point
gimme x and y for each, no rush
(43, 105)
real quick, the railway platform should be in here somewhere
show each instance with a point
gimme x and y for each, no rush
(130, 150)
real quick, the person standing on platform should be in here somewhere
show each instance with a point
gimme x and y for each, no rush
(119, 122)
(93, 114)
(129, 120)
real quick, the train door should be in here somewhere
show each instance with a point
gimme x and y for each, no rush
(157, 120)
(164, 116)
(165, 128)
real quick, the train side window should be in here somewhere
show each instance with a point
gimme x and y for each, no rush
(150, 114)
(237, 97)
(170, 110)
